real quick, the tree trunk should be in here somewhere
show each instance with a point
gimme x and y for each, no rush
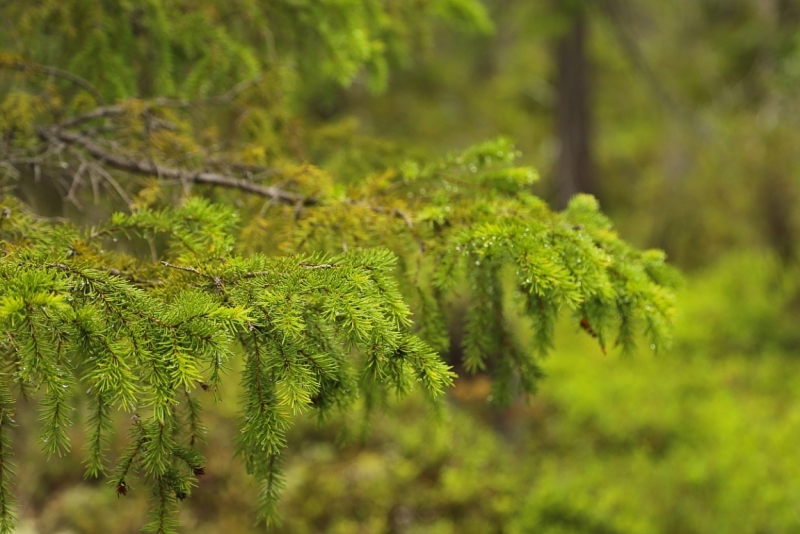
(777, 193)
(574, 171)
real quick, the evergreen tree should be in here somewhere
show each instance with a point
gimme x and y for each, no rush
(245, 228)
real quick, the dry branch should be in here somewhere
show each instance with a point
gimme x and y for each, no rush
(150, 168)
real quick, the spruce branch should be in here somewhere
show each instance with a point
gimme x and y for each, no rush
(97, 113)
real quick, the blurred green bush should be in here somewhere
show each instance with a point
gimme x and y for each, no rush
(747, 303)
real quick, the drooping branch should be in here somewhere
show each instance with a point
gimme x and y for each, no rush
(150, 168)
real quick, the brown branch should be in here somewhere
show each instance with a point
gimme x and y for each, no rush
(150, 168)
(97, 113)
(53, 71)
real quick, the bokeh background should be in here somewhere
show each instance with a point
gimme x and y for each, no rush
(683, 118)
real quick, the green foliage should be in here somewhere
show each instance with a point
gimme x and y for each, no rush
(70, 315)
(313, 330)
(746, 304)
(335, 292)
(685, 444)
(194, 49)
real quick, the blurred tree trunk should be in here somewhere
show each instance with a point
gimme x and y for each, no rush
(777, 191)
(574, 172)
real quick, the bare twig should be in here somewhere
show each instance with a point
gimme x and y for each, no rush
(110, 181)
(76, 180)
(97, 113)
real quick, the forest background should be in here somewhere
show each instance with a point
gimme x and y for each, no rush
(682, 118)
